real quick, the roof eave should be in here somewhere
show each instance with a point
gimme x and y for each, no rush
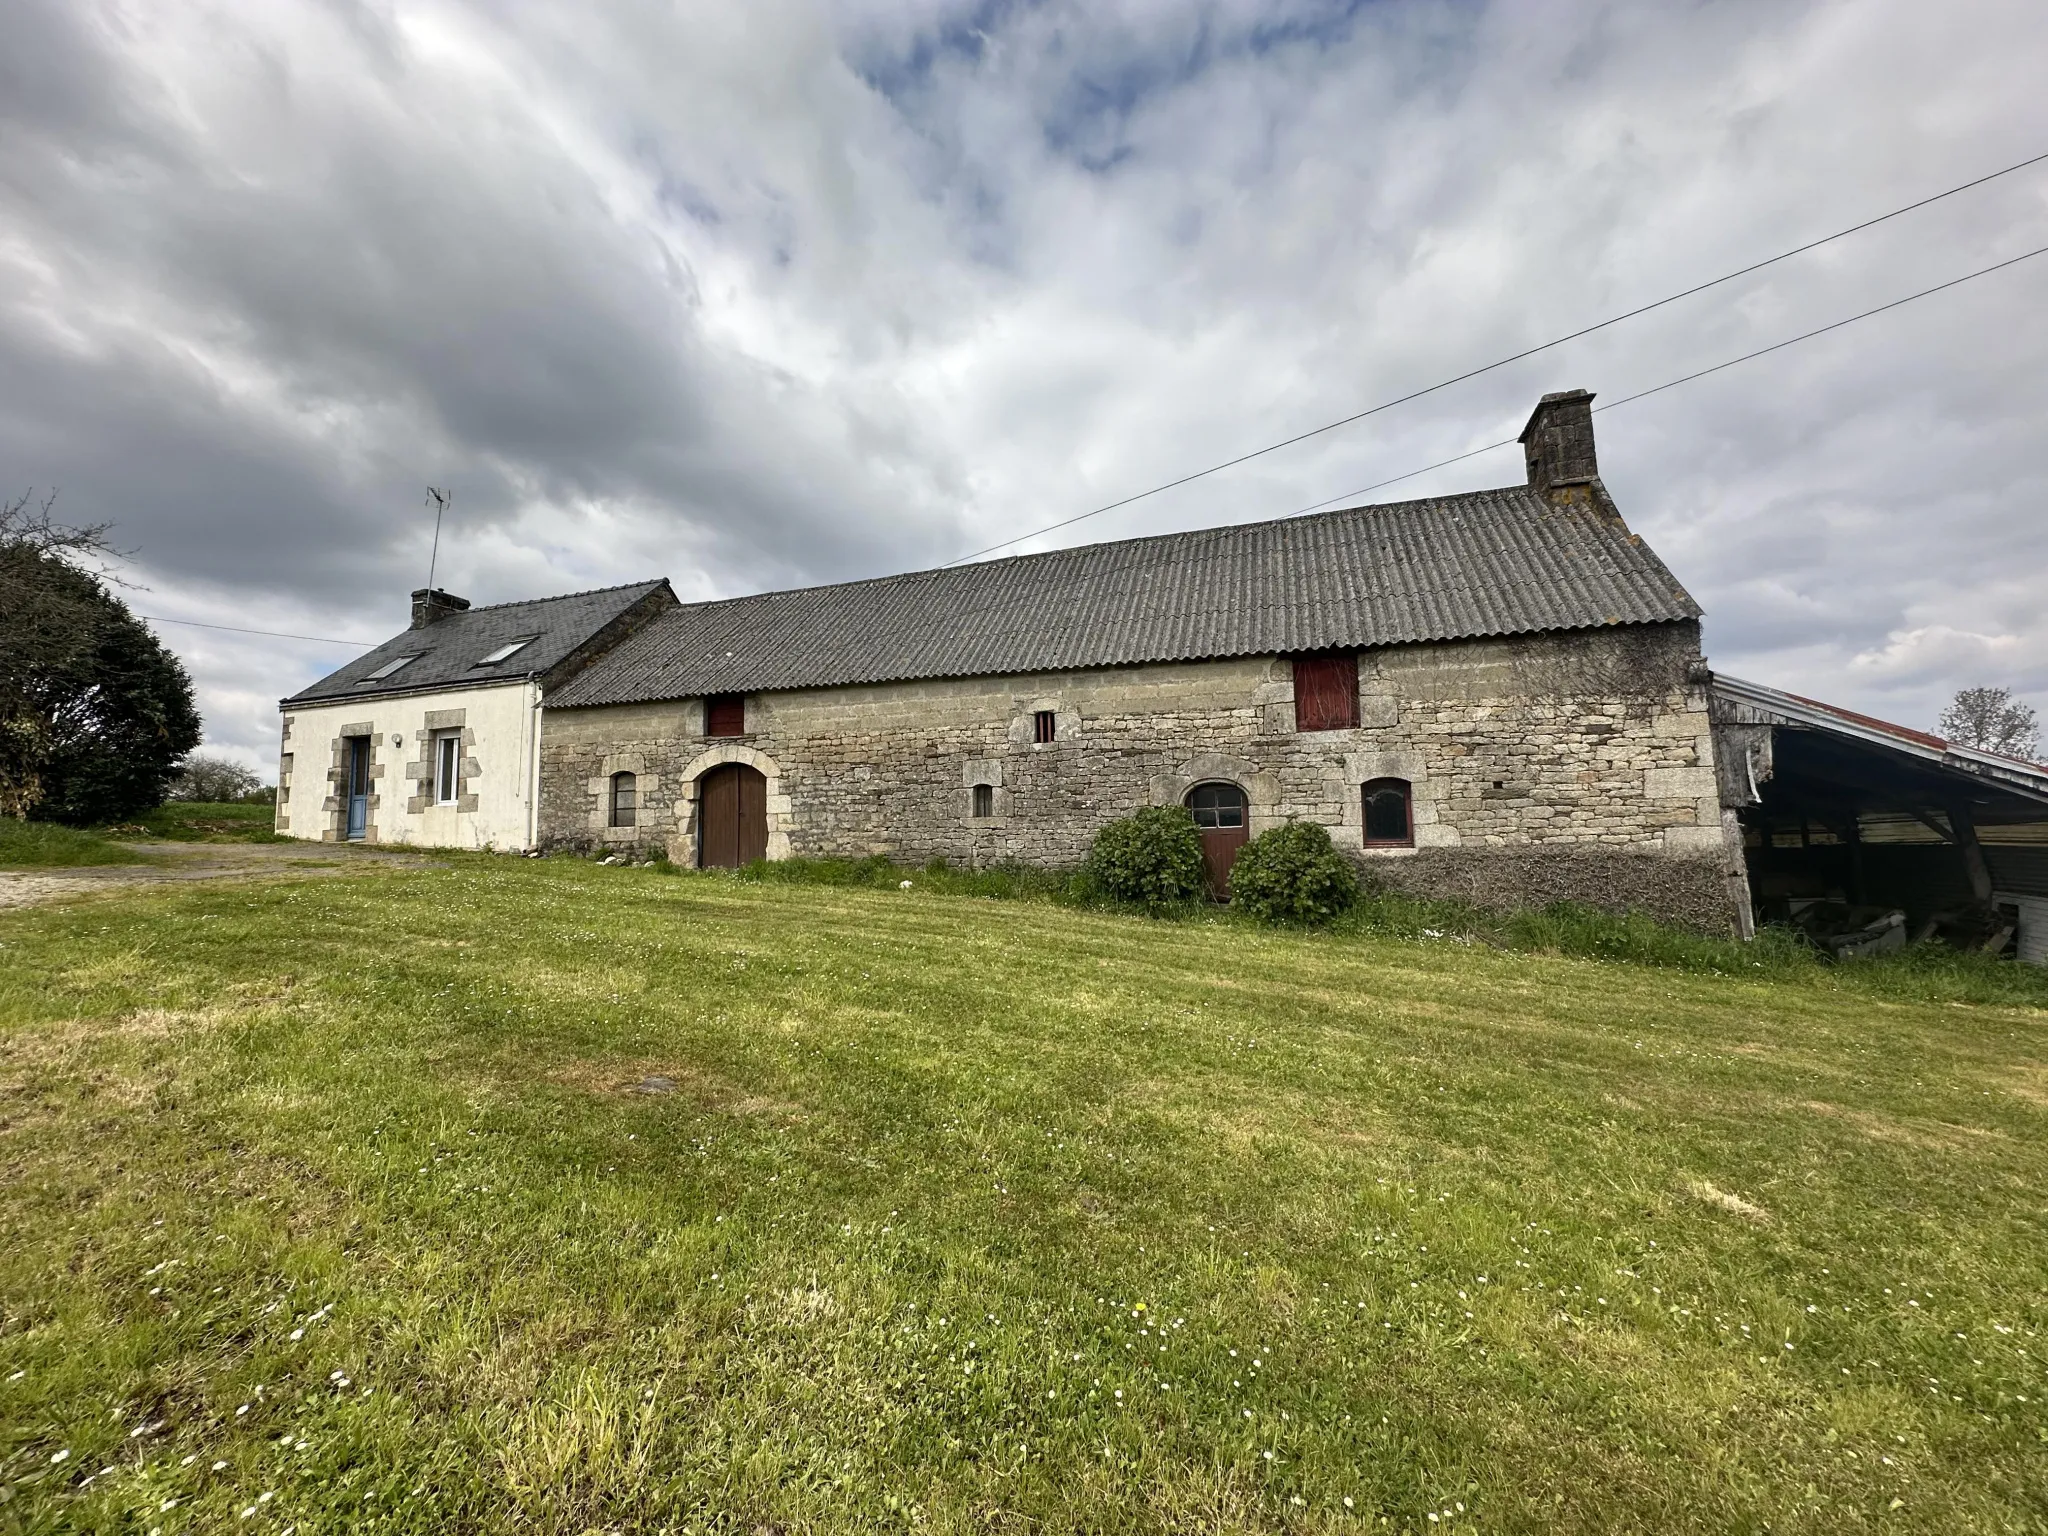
(2009, 774)
(1103, 666)
(503, 680)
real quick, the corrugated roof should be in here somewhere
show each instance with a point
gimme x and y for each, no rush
(1749, 702)
(1497, 562)
(448, 653)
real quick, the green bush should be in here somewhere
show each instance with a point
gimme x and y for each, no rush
(1291, 874)
(1152, 859)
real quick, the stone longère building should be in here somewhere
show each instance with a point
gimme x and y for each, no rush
(1498, 695)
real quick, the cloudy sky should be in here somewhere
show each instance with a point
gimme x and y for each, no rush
(768, 294)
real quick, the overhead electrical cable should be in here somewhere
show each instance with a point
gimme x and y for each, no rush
(1601, 325)
(1470, 453)
(275, 634)
(1658, 389)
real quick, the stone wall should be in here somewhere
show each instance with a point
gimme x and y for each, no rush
(1594, 740)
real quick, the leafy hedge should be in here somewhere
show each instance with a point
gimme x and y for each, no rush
(1291, 874)
(1152, 859)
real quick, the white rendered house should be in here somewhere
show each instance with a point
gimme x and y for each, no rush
(433, 738)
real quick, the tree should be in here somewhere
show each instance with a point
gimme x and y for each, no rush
(1992, 720)
(94, 712)
(215, 780)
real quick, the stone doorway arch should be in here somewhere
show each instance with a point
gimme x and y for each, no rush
(687, 849)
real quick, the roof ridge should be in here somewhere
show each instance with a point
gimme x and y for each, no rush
(1497, 561)
(559, 597)
(1077, 549)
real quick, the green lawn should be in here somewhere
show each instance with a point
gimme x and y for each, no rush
(46, 845)
(200, 821)
(541, 1196)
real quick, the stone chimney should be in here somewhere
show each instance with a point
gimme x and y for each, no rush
(1558, 443)
(430, 605)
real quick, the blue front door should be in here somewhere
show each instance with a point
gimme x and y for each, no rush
(358, 787)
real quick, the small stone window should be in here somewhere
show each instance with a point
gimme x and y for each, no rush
(1389, 819)
(1217, 807)
(984, 801)
(1045, 726)
(625, 800)
(725, 714)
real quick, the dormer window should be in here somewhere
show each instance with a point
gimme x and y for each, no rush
(508, 649)
(387, 669)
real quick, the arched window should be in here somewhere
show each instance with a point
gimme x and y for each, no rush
(1217, 807)
(984, 801)
(625, 800)
(1389, 822)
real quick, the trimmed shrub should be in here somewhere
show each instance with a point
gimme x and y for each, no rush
(1291, 874)
(1152, 858)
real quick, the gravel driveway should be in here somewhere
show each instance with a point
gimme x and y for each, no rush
(201, 861)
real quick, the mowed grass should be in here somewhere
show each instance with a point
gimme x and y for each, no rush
(204, 821)
(46, 845)
(540, 1196)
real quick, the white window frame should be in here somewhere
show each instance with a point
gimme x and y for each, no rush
(386, 670)
(507, 651)
(447, 767)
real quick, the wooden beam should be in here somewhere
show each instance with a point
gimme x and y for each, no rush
(1973, 853)
(1944, 833)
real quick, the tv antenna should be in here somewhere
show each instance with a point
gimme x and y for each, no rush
(438, 500)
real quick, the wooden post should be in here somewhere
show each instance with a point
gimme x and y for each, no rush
(1965, 829)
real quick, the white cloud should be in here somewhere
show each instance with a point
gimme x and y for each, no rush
(754, 295)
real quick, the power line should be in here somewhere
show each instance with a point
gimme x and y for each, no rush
(1472, 453)
(1387, 405)
(275, 634)
(1658, 389)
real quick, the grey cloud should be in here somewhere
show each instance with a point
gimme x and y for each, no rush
(769, 294)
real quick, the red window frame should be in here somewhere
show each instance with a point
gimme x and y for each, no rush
(725, 714)
(1326, 692)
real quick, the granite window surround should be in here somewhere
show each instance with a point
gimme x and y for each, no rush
(420, 773)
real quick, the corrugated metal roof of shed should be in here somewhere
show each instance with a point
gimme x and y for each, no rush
(1495, 562)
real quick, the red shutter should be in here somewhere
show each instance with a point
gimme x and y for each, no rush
(1326, 692)
(725, 714)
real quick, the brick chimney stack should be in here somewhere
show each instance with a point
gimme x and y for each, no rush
(430, 605)
(1558, 443)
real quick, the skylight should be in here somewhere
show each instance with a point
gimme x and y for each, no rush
(387, 669)
(506, 649)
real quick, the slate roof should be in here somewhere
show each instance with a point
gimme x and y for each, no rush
(448, 652)
(1499, 562)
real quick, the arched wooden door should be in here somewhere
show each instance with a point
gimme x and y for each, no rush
(1223, 814)
(732, 817)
